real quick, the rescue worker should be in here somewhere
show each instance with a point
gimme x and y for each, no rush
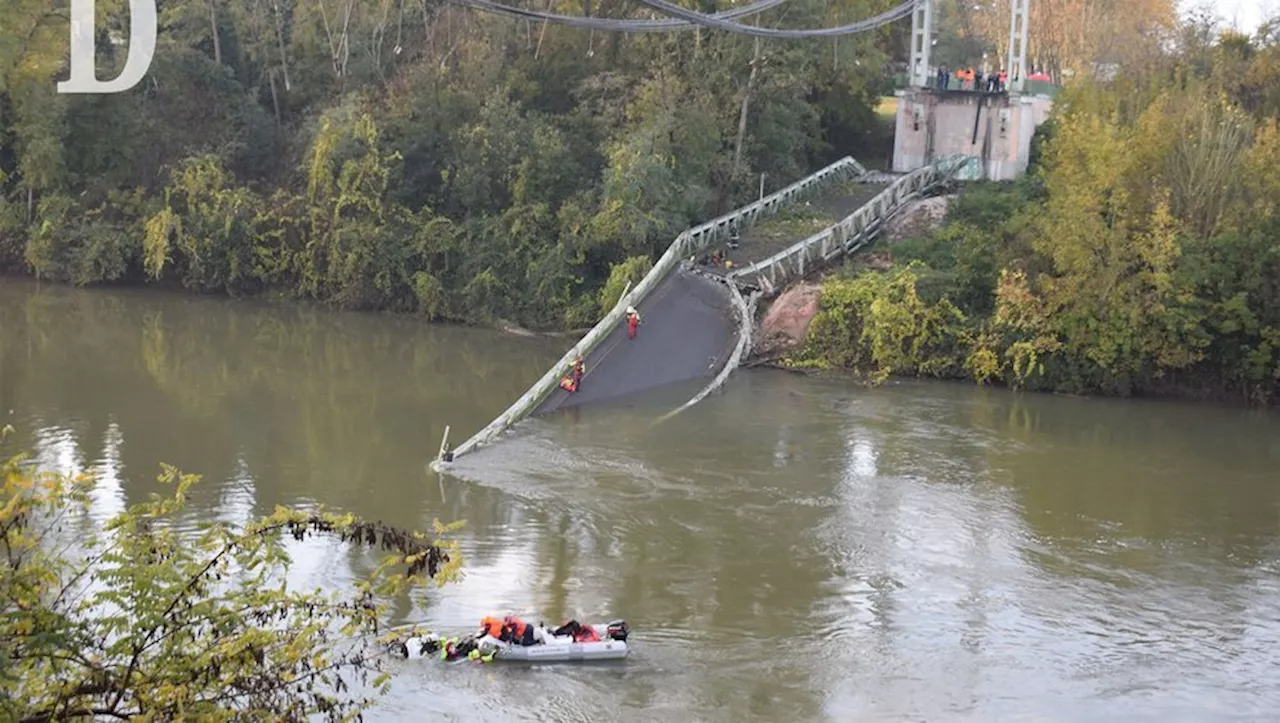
(581, 633)
(517, 631)
(491, 626)
(633, 320)
(579, 369)
(455, 649)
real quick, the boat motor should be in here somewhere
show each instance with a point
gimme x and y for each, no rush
(618, 630)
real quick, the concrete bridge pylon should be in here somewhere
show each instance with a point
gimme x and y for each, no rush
(936, 122)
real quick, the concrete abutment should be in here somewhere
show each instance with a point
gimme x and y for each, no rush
(995, 128)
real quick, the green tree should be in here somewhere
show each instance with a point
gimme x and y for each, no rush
(138, 620)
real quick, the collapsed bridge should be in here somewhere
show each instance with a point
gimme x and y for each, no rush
(696, 322)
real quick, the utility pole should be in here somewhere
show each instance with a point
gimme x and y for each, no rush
(1017, 62)
(921, 40)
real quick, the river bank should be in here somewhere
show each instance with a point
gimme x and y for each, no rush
(997, 294)
(1107, 269)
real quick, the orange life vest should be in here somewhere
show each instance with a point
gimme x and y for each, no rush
(492, 626)
(517, 627)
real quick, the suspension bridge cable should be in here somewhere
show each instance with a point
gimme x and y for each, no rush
(712, 22)
(692, 19)
(624, 25)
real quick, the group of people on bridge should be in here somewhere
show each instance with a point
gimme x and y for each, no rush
(970, 79)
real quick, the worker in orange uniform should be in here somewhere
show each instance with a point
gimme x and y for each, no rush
(517, 631)
(491, 626)
(633, 321)
(571, 382)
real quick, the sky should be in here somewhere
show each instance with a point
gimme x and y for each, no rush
(1243, 15)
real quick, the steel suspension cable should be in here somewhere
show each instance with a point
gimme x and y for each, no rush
(624, 25)
(691, 19)
(712, 22)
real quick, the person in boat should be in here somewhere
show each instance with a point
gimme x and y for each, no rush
(581, 633)
(517, 631)
(509, 629)
(633, 321)
(491, 626)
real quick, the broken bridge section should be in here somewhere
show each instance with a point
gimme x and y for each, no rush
(688, 321)
(688, 330)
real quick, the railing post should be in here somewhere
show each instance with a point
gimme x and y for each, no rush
(445, 455)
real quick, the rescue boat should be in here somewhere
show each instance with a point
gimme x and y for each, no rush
(547, 648)
(611, 645)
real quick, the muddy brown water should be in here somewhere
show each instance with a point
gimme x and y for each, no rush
(790, 549)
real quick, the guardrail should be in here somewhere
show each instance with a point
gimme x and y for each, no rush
(746, 309)
(688, 243)
(851, 233)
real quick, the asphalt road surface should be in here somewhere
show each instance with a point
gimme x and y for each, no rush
(687, 330)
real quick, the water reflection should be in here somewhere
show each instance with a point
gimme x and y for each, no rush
(790, 549)
(322, 405)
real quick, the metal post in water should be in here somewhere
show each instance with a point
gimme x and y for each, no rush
(444, 446)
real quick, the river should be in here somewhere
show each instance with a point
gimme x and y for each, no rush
(790, 549)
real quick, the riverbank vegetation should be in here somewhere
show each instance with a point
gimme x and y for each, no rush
(1141, 254)
(416, 157)
(143, 618)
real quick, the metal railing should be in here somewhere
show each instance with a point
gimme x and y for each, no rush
(851, 233)
(688, 243)
(746, 310)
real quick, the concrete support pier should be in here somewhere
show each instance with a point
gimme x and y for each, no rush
(994, 127)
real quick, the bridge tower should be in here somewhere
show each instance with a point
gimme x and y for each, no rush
(936, 121)
(1017, 62)
(921, 41)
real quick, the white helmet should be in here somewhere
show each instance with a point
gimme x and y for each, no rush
(631, 309)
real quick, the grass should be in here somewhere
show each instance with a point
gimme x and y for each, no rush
(887, 110)
(793, 223)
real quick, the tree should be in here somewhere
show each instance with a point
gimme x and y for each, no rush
(142, 620)
(1074, 34)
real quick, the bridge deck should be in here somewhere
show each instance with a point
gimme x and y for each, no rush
(770, 237)
(687, 330)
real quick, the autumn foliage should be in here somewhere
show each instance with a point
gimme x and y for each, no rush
(145, 618)
(1142, 253)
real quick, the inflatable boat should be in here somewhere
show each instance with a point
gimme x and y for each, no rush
(610, 644)
(549, 647)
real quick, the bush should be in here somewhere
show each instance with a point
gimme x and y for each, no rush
(140, 620)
